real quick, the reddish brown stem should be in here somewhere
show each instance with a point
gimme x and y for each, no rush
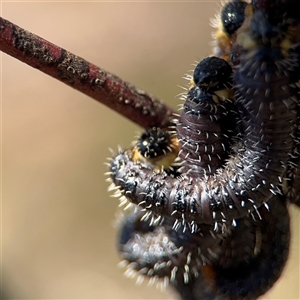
(126, 99)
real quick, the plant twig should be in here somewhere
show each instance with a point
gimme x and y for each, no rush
(126, 99)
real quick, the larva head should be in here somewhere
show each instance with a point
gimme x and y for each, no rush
(157, 147)
(154, 142)
(232, 16)
(213, 74)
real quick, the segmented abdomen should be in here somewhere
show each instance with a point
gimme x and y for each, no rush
(203, 133)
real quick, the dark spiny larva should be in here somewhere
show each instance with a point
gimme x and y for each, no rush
(229, 246)
(258, 269)
(265, 84)
(230, 20)
(204, 118)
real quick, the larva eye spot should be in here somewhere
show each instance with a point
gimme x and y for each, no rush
(232, 16)
(213, 74)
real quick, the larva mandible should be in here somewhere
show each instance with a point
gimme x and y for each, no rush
(265, 80)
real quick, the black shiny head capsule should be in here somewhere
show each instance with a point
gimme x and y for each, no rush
(154, 142)
(213, 74)
(232, 16)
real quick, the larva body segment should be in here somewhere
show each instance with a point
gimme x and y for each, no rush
(242, 263)
(265, 83)
(208, 119)
(148, 250)
(252, 259)
(202, 138)
(291, 187)
(163, 252)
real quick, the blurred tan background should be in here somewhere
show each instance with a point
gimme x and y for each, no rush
(58, 241)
